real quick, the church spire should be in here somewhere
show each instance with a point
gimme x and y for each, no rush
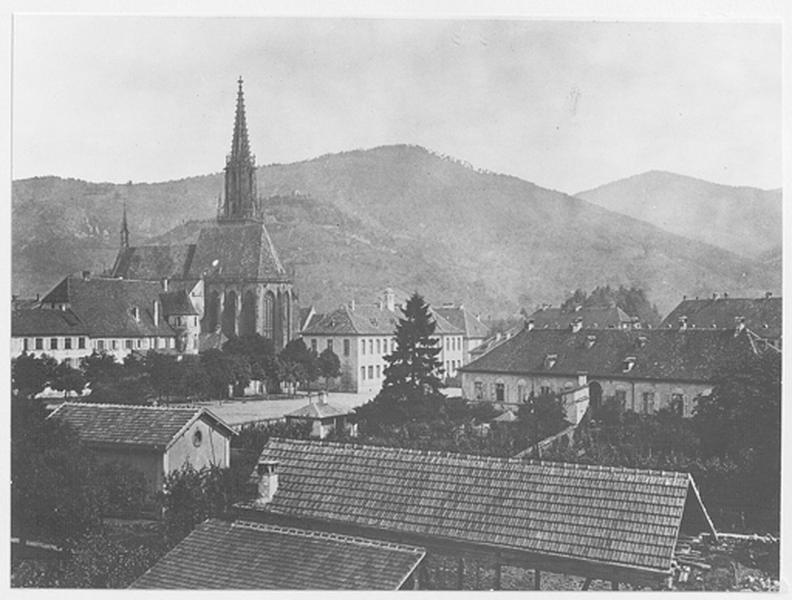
(240, 171)
(124, 230)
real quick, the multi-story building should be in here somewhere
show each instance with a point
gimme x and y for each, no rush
(474, 331)
(643, 370)
(83, 314)
(362, 336)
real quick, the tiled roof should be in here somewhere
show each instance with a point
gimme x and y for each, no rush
(131, 425)
(367, 320)
(43, 321)
(628, 517)
(318, 410)
(464, 320)
(106, 306)
(691, 355)
(236, 251)
(246, 556)
(495, 340)
(763, 316)
(153, 262)
(177, 303)
(595, 317)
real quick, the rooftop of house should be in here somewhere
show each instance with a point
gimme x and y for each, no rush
(112, 307)
(585, 514)
(594, 317)
(464, 320)
(249, 556)
(45, 322)
(368, 320)
(665, 354)
(318, 409)
(763, 316)
(177, 302)
(133, 425)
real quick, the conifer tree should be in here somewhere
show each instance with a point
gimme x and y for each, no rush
(413, 367)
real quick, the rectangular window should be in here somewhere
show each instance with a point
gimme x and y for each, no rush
(140, 343)
(330, 345)
(520, 393)
(371, 372)
(115, 344)
(53, 343)
(313, 345)
(544, 390)
(378, 371)
(171, 343)
(379, 349)
(346, 347)
(128, 344)
(478, 388)
(371, 346)
(39, 343)
(362, 372)
(362, 346)
(24, 344)
(648, 402)
(678, 404)
(67, 362)
(81, 343)
(500, 392)
(100, 345)
(67, 343)
(621, 398)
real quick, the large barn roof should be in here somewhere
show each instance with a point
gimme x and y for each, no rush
(668, 354)
(248, 556)
(628, 518)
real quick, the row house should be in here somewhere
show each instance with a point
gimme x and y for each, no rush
(362, 335)
(643, 370)
(84, 314)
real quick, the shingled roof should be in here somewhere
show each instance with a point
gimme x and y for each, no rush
(106, 306)
(464, 320)
(763, 316)
(153, 262)
(368, 320)
(177, 302)
(246, 556)
(691, 355)
(43, 321)
(622, 517)
(236, 251)
(594, 317)
(132, 425)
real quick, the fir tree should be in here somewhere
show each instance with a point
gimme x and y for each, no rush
(413, 367)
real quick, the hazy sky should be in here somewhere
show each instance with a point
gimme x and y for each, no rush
(567, 105)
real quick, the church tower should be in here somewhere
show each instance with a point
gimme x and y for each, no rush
(240, 202)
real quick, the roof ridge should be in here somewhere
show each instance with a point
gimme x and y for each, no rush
(135, 406)
(324, 535)
(463, 456)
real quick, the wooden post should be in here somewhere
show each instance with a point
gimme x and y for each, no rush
(460, 574)
(537, 579)
(497, 585)
(586, 584)
(614, 585)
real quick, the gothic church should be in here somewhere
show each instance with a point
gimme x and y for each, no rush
(244, 285)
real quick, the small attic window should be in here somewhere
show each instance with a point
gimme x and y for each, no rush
(641, 341)
(550, 361)
(374, 322)
(590, 340)
(628, 364)
(136, 313)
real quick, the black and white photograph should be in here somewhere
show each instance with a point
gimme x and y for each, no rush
(396, 300)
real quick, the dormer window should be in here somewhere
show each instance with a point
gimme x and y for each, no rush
(590, 340)
(628, 364)
(136, 313)
(550, 361)
(641, 341)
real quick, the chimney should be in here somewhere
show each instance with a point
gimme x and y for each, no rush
(86, 275)
(267, 473)
(725, 295)
(322, 397)
(165, 284)
(390, 299)
(684, 298)
(156, 312)
(768, 294)
(577, 324)
(529, 324)
(739, 325)
(683, 323)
